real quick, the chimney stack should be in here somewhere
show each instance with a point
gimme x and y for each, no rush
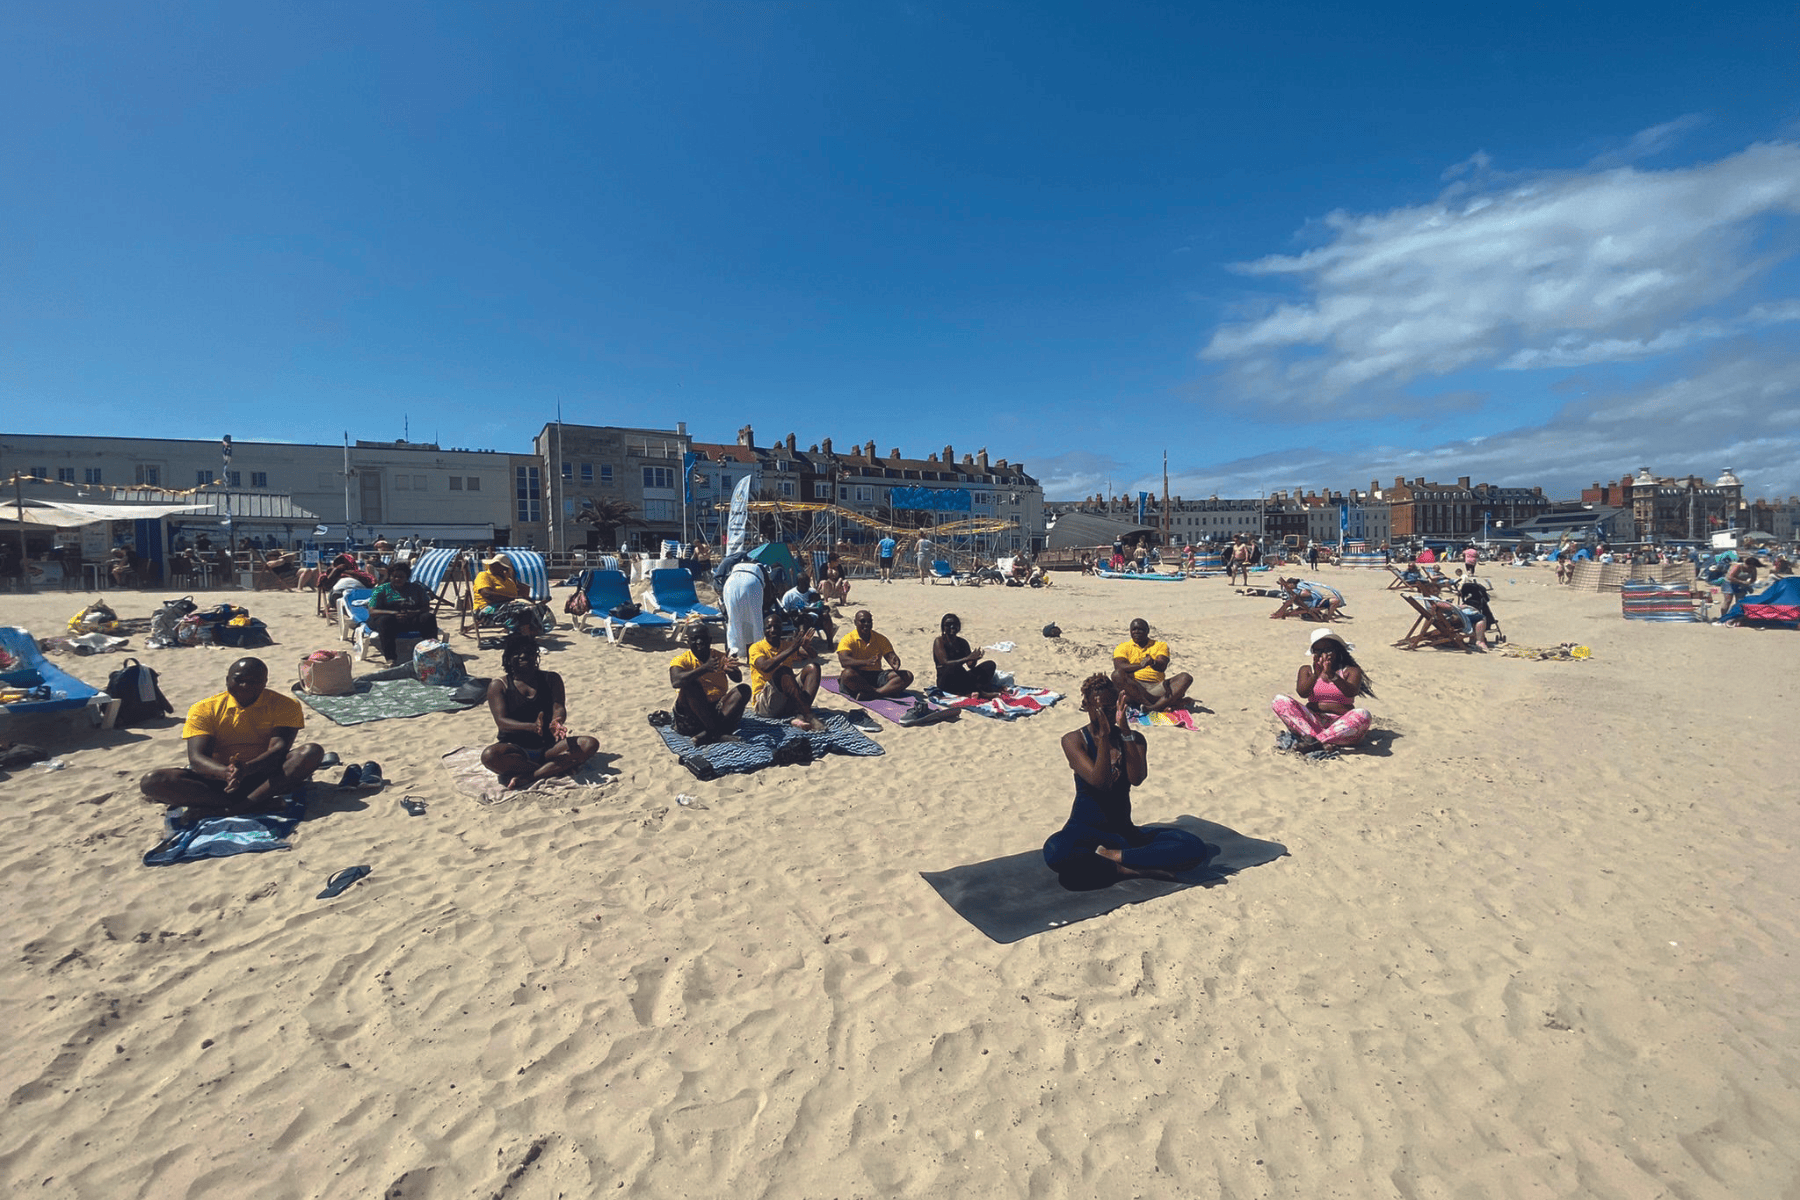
(825, 446)
(981, 458)
(869, 449)
(790, 444)
(747, 437)
(949, 455)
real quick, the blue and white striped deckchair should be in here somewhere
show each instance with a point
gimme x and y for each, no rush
(429, 571)
(529, 566)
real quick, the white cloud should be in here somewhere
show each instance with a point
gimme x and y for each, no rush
(1545, 271)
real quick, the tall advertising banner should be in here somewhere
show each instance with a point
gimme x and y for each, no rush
(1143, 503)
(739, 521)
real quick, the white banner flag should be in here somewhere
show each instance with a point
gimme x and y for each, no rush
(740, 513)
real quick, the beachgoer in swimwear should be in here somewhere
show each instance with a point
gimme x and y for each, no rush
(960, 670)
(860, 656)
(241, 750)
(1139, 667)
(1099, 844)
(1302, 597)
(710, 691)
(1239, 563)
(528, 709)
(1322, 712)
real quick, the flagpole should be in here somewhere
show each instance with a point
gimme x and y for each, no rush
(346, 490)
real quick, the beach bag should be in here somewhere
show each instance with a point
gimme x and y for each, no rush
(436, 662)
(222, 614)
(624, 612)
(578, 605)
(247, 635)
(96, 616)
(139, 693)
(326, 673)
(192, 631)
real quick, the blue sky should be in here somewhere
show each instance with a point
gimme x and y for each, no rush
(1288, 245)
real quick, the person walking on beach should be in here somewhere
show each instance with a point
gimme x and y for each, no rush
(923, 551)
(241, 750)
(885, 555)
(1240, 561)
(1139, 667)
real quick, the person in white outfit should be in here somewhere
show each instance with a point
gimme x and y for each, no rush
(743, 597)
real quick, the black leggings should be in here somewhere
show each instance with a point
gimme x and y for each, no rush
(388, 629)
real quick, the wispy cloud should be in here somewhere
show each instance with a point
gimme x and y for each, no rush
(1541, 271)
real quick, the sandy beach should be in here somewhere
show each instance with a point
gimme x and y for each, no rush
(1536, 939)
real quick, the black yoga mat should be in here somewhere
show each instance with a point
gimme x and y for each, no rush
(1011, 898)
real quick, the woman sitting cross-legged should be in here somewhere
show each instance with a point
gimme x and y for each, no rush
(527, 706)
(960, 670)
(400, 606)
(1327, 687)
(1099, 844)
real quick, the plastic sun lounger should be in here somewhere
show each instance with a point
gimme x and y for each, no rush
(30, 663)
(607, 590)
(672, 594)
(942, 572)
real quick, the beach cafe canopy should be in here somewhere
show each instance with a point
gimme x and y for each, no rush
(1084, 531)
(69, 514)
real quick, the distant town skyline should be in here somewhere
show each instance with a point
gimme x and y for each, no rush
(1288, 247)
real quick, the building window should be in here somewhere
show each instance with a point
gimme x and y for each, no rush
(90, 474)
(40, 472)
(787, 488)
(403, 483)
(821, 491)
(659, 510)
(606, 479)
(865, 494)
(843, 493)
(474, 483)
(235, 478)
(456, 483)
(149, 476)
(259, 479)
(527, 491)
(984, 497)
(65, 474)
(587, 472)
(659, 477)
(781, 466)
(202, 478)
(568, 471)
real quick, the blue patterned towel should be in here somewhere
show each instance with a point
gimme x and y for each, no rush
(762, 738)
(220, 837)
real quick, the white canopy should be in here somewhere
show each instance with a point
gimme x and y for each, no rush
(67, 514)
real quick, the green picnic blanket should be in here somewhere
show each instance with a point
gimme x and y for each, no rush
(382, 700)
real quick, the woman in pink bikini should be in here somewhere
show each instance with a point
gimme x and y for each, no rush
(1324, 715)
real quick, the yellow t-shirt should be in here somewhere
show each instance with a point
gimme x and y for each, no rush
(760, 679)
(508, 586)
(877, 647)
(240, 733)
(713, 681)
(1140, 657)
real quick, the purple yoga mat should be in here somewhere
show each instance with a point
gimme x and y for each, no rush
(889, 709)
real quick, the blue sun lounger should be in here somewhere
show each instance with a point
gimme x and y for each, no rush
(607, 590)
(672, 594)
(30, 668)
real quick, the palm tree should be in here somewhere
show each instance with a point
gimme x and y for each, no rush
(607, 517)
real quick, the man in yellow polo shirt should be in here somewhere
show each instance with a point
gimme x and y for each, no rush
(861, 654)
(1139, 667)
(777, 689)
(240, 749)
(710, 693)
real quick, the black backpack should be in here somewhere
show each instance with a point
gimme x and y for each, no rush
(139, 694)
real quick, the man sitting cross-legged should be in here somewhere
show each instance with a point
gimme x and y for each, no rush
(777, 690)
(1138, 670)
(240, 750)
(711, 694)
(861, 654)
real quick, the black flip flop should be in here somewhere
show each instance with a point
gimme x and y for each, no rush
(337, 884)
(331, 759)
(371, 775)
(413, 807)
(352, 777)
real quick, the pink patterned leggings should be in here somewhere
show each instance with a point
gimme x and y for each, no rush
(1345, 730)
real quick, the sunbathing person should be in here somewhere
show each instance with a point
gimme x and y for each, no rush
(960, 670)
(1099, 844)
(400, 606)
(835, 587)
(1323, 714)
(498, 592)
(528, 710)
(1139, 667)
(860, 655)
(343, 574)
(777, 689)
(241, 753)
(710, 692)
(1476, 597)
(1304, 598)
(1467, 620)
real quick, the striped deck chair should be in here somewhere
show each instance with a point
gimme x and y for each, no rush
(529, 568)
(431, 571)
(1310, 601)
(1440, 624)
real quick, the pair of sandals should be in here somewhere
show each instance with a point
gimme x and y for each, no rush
(358, 776)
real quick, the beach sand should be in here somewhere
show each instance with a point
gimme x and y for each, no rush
(1537, 939)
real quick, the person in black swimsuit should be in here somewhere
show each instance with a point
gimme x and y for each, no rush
(1100, 845)
(960, 670)
(527, 705)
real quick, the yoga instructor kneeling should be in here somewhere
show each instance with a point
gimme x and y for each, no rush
(1099, 844)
